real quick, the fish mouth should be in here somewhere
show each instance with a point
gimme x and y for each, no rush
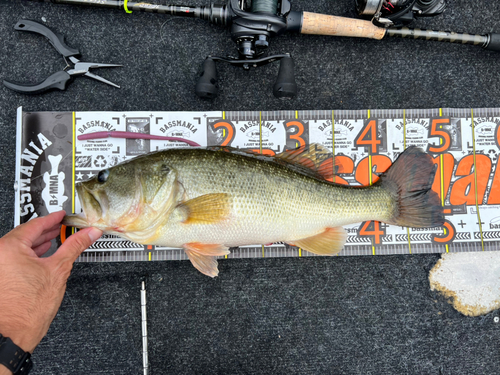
(75, 220)
(92, 209)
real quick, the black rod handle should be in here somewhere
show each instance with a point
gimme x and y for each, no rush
(215, 13)
(493, 42)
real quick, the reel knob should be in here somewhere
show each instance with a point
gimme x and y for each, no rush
(285, 86)
(206, 87)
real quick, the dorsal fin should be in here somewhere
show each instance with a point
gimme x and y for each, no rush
(314, 158)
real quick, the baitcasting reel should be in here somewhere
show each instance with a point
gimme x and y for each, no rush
(252, 25)
(398, 13)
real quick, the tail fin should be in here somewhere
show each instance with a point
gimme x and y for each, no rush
(410, 179)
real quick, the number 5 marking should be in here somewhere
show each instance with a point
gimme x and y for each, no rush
(448, 236)
(443, 135)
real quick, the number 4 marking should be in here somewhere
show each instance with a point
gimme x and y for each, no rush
(497, 138)
(368, 137)
(373, 230)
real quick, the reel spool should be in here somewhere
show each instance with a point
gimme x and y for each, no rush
(398, 13)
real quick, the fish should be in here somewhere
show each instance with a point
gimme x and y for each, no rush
(206, 200)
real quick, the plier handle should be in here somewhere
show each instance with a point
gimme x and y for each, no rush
(61, 79)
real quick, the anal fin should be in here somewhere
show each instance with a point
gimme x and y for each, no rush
(202, 256)
(329, 242)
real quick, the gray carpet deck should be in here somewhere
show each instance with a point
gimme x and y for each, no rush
(356, 315)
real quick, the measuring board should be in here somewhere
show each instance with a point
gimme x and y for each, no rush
(464, 143)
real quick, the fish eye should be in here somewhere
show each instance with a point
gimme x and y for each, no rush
(103, 176)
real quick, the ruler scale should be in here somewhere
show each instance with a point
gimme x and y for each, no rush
(463, 142)
(144, 329)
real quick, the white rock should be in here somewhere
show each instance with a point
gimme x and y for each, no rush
(471, 281)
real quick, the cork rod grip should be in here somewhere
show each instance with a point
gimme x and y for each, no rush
(322, 24)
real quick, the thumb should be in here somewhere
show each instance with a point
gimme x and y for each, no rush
(76, 244)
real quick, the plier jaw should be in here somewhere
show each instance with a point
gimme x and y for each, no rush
(61, 79)
(82, 68)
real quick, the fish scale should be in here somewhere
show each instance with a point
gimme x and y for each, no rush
(308, 206)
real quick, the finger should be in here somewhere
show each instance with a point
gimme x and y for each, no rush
(76, 244)
(30, 231)
(48, 236)
(42, 249)
(57, 226)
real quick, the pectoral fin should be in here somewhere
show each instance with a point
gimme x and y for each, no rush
(202, 256)
(206, 209)
(329, 242)
(207, 265)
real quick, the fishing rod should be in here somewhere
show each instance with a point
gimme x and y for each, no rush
(253, 23)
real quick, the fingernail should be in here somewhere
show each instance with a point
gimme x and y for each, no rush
(94, 234)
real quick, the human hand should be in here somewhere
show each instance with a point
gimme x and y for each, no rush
(31, 287)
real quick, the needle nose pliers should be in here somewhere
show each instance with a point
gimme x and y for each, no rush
(61, 79)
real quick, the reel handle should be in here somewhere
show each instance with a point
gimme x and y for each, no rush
(323, 24)
(206, 87)
(285, 86)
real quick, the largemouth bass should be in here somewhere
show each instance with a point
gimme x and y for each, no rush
(207, 200)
